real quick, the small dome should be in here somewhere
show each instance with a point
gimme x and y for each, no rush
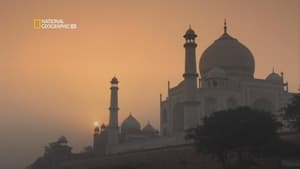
(230, 55)
(130, 124)
(215, 72)
(149, 129)
(114, 80)
(274, 77)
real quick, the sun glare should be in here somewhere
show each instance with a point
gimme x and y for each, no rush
(96, 123)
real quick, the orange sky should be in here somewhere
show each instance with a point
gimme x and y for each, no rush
(56, 82)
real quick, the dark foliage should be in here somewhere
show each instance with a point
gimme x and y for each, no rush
(292, 112)
(239, 135)
(54, 153)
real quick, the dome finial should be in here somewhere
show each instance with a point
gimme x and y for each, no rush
(225, 26)
(272, 69)
(190, 27)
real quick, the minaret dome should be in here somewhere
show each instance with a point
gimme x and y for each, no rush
(114, 80)
(190, 34)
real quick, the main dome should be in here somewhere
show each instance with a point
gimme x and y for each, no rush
(230, 55)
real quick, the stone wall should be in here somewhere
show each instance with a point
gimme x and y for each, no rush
(148, 144)
(172, 157)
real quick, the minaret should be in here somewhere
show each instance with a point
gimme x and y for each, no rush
(113, 128)
(114, 108)
(190, 55)
(190, 80)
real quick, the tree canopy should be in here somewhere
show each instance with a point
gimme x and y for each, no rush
(54, 153)
(59, 147)
(241, 133)
(292, 112)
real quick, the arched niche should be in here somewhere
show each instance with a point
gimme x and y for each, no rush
(263, 104)
(231, 102)
(210, 105)
(178, 120)
(164, 116)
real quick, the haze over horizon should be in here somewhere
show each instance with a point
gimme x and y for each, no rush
(56, 82)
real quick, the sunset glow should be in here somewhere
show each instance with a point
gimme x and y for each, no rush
(57, 82)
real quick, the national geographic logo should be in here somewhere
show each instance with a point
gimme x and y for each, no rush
(37, 23)
(52, 24)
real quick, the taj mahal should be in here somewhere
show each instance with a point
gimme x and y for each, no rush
(225, 80)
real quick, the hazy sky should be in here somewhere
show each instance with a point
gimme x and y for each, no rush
(56, 82)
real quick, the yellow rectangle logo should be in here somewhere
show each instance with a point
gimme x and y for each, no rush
(37, 23)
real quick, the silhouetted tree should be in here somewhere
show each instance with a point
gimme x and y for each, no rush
(59, 148)
(282, 149)
(239, 135)
(55, 152)
(292, 112)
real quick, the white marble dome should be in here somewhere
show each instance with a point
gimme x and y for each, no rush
(130, 124)
(230, 55)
